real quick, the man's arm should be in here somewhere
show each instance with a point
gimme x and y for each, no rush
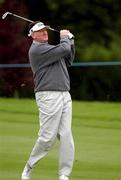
(70, 58)
(49, 54)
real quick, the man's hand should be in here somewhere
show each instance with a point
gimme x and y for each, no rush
(64, 33)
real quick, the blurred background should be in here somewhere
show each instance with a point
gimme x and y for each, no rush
(97, 29)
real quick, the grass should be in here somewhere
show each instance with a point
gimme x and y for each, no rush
(97, 134)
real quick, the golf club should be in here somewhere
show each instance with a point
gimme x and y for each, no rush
(20, 17)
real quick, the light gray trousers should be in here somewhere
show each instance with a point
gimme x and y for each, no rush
(55, 115)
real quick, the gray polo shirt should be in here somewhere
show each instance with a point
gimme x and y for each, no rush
(49, 65)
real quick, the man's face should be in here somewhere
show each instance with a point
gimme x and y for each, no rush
(41, 35)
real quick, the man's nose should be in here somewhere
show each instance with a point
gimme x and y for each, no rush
(44, 32)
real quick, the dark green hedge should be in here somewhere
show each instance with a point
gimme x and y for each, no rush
(96, 83)
(102, 83)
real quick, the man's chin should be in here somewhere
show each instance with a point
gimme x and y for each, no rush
(46, 40)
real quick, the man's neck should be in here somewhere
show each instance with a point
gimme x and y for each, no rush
(35, 41)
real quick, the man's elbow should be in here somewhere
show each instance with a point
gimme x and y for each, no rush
(67, 50)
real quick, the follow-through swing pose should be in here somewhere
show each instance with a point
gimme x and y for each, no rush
(52, 84)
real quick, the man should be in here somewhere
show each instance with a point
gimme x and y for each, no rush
(49, 65)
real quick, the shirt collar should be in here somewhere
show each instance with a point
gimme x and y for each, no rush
(36, 42)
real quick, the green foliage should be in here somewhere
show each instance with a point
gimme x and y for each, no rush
(1, 1)
(96, 83)
(96, 51)
(91, 22)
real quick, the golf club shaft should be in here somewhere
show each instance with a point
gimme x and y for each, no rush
(15, 15)
(22, 17)
(31, 21)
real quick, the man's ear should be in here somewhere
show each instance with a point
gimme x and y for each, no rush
(33, 35)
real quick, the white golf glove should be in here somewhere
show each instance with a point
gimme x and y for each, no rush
(70, 35)
(66, 33)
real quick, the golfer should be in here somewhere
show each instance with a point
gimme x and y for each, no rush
(49, 65)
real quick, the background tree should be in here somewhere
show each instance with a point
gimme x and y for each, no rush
(14, 45)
